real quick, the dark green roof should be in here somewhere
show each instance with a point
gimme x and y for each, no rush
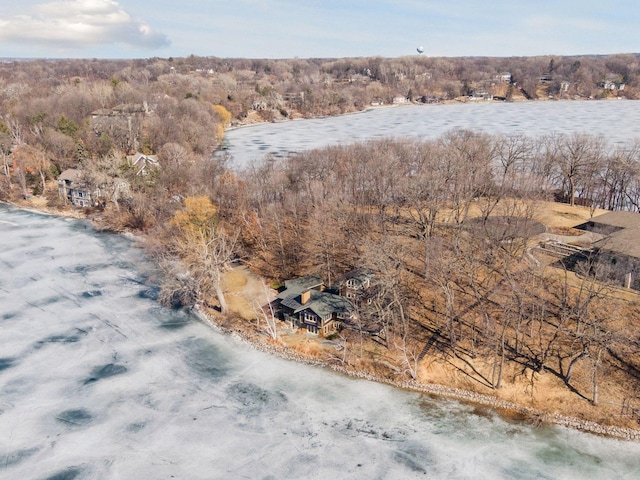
(298, 285)
(322, 304)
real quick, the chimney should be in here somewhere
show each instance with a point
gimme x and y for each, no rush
(305, 297)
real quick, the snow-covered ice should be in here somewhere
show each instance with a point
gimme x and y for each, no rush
(617, 120)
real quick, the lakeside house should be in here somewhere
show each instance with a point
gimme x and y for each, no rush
(307, 303)
(304, 303)
(74, 189)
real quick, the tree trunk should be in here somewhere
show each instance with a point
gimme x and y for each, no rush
(594, 378)
(567, 377)
(43, 178)
(221, 299)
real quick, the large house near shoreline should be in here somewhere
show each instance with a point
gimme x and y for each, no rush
(73, 188)
(307, 303)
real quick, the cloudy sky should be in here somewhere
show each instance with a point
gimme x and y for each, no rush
(315, 28)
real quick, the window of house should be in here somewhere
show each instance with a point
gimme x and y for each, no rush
(310, 317)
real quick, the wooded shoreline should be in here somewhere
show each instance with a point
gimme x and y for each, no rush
(510, 410)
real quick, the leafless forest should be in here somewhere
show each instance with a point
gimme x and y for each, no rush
(447, 225)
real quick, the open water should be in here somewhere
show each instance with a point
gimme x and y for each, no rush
(97, 381)
(618, 121)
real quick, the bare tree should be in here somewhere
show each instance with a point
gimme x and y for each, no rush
(578, 159)
(203, 246)
(267, 315)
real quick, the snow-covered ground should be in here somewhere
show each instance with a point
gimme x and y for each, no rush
(99, 382)
(250, 144)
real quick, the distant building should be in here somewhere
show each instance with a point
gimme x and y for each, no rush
(503, 77)
(481, 96)
(143, 164)
(401, 100)
(122, 110)
(611, 85)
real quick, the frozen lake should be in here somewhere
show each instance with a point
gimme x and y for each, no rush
(616, 120)
(97, 381)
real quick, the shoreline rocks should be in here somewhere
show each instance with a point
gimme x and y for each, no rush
(530, 415)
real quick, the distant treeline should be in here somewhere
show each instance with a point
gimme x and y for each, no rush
(311, 87)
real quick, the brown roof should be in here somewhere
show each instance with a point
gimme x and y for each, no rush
(71, 175)
(624, 237)
(618, 219)
(625, 242)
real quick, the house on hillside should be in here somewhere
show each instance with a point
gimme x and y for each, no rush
(503, 77)
(143, 164)
(356, 285)
(618, 248)
(75, 190)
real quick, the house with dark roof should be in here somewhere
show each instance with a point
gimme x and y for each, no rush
(305, 303)
(618, 246)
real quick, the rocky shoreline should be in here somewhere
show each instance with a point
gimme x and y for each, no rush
(530, 415)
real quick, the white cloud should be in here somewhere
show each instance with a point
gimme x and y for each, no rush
(78, 23)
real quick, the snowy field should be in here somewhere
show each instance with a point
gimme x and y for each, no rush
(616, 120)
(99, 382)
